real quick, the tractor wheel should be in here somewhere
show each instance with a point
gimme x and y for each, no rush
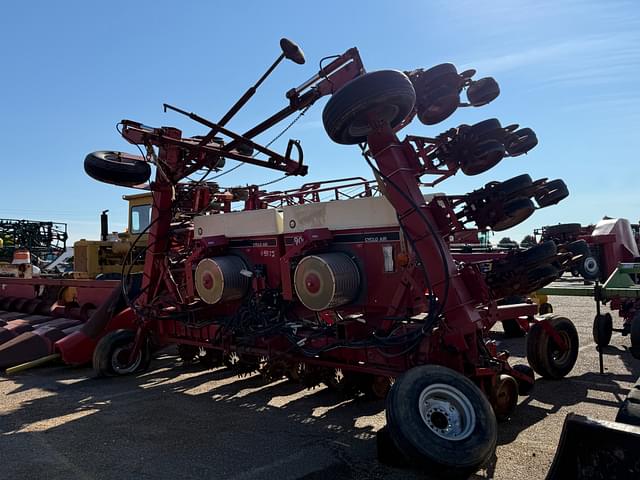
(552, 193)
(525, 387)
(111, 355)
(117, 168)
(635, 336)
(505, 397)
(521, 141)
(602, 329)
(482, 91)
(441, 421)
(544, 356)
(386, 95)
(211, 358)
(515, 211)
(486, 155)
(187, 353)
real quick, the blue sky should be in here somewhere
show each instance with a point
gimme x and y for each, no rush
(71, 70)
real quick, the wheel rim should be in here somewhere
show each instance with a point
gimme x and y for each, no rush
(447, 412)
(561, 357)
(119, 360)
(590, 266)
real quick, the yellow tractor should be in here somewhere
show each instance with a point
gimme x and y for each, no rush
(104, 258)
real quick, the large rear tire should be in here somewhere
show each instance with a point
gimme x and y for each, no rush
(441, 421)
(386, 94)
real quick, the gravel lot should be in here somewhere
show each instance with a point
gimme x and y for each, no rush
(177, 421)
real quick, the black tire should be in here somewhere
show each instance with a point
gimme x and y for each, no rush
(602, 329)
(438, 105)
(345, 114)
(419, 408)
(542, 352)
(485, 129)
(110, 357)
(515, 211)
(538, 254)
(511, 187)
(116, 168)
(635, 336)
(521, 141)
(486, 155)
(588, 267)
(525, 387)
(512, 328)
(552, 193)
(482, 91)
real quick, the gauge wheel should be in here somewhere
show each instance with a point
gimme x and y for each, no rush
(111, 355)
(521, 141)
(602, 329)
(482, 91)
(504, 397)
(515, 211)
(552, 193)
(441, 421)
(485, 156)
(386, 95)
(544, 355)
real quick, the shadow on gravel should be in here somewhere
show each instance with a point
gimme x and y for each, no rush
(210, 424)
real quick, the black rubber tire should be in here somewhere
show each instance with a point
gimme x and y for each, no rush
(602, 329)
(447, 458)
(537, 254)
(542, 352)
(437, 72)
(485, 129)
(109, 345)
(635, 336)
(344, 115)
(588, 267)
(187, 353)
(116, 168)
(552, 193)
(511, 187)
(521, 141)
(512, 328)
(438, 105)
(482, 91)
(515, 212)
(486, 155)
(525, 387)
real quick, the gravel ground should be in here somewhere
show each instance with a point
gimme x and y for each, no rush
(177, 421)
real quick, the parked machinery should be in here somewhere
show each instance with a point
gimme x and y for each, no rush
(354, 292)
